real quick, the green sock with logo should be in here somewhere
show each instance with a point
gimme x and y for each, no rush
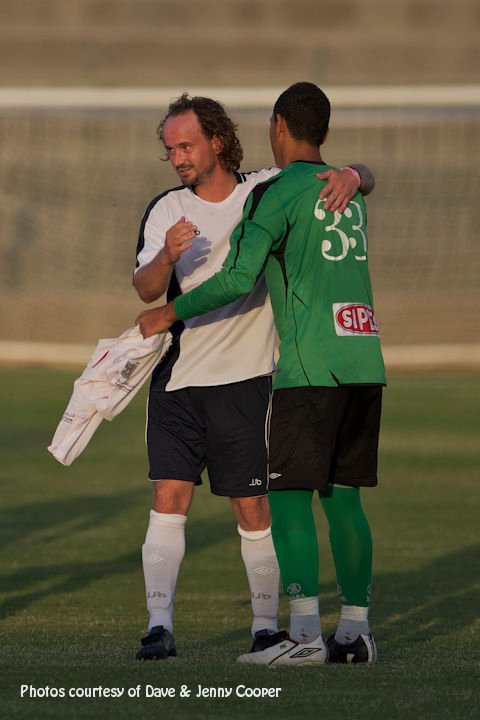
(295, 539)
(351, 544)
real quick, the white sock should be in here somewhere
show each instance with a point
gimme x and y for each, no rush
(353, 622)
(162, 555)
(305, 625)
(263, 574)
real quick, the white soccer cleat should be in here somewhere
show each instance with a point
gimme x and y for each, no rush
(287, 652)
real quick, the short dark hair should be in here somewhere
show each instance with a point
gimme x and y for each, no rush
(306, 110)
(214, 122)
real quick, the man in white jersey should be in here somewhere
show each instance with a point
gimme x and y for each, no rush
(209, 397)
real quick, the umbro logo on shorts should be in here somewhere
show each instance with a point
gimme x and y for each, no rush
(274, 476)
(254, 482)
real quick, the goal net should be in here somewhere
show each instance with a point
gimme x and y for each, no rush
(79, 167)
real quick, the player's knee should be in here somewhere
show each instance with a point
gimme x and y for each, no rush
(172, 496)
(252, 513)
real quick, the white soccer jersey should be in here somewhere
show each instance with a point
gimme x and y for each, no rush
(234, 342)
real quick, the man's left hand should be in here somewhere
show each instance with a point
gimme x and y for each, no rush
(340, 188)
(156, 320)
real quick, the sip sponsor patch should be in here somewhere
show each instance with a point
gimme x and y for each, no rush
(354, 319)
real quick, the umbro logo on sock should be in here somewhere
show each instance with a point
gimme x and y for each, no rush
(153, 558)
(263, 570)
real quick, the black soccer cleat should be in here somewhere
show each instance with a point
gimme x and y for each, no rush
(266, 638)
(362, 650)
(157, 644)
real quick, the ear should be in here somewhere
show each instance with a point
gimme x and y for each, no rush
(280, 125)
(217, 144)
(275, 120)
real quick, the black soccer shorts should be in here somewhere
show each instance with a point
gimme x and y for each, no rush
(222, 428)
(320, 436)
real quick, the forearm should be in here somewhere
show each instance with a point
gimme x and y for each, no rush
(198, 301)
(223, 288)
(151, 280)
(367, 179)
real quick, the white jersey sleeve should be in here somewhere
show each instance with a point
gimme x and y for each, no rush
(156, 222)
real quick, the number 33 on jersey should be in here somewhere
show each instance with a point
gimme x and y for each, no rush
(338, 247)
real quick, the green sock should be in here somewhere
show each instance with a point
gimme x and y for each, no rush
(351, 544)
(295, 539)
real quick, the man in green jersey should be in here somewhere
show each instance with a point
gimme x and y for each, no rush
(327, 388)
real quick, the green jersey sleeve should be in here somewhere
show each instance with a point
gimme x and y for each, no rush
(262, 225)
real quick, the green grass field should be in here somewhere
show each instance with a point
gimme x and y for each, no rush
(71, 587)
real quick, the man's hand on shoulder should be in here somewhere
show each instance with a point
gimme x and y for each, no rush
(340, 188)
(156, 320)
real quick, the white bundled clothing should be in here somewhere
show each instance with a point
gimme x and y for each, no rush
(114, 374)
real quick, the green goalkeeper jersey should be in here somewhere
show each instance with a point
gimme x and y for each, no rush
(316, 268)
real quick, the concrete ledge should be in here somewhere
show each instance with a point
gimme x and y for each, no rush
(396, 356)
(431, 356)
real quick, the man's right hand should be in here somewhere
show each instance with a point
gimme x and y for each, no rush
(178, 239)
(151, 280)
